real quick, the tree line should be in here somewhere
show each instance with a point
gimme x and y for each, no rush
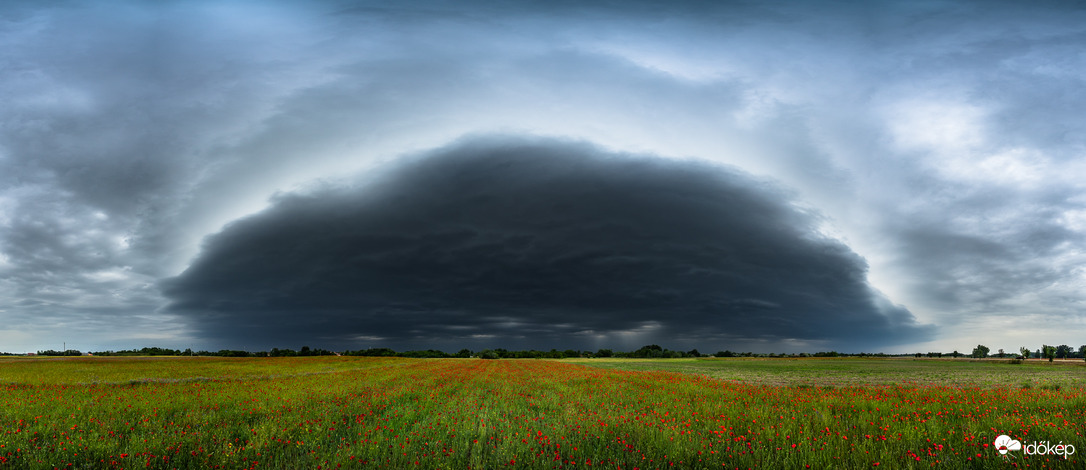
(1062, 351)
(649, 351)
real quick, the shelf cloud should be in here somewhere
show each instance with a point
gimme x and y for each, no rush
(507, 241)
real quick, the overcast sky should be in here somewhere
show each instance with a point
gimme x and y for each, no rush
(767, 176)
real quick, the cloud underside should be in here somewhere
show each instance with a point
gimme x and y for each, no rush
(535, 242)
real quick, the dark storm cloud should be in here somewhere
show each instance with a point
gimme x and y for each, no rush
(535, 242)
(941, 140)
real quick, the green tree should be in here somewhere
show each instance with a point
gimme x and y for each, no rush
(981, 351)
(1048, 351)
(1082, 351)
(1025, 352)
(651, 350)
(1063, 351)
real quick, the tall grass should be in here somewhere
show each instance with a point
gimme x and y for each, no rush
(448, 413)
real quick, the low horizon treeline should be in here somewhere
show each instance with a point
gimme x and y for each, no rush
(649, 351)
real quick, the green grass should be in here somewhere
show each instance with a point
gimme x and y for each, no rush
(857, 371)
(86, 370)
(333, 412)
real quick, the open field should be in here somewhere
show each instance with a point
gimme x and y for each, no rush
(857, 371)
(350, 412)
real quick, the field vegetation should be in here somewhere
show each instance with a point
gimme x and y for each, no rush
(868, 371)
(357, 412)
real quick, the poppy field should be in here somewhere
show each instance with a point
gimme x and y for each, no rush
(354, 412)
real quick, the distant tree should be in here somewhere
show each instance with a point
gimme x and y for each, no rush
(651, 350)
(605, 353)
(1082, 351)
(488, 354)
(156, 351)
(66, 352)
(981, 351)
(725, 353)
(1063, 351)
(693, 353)
(956, 353)
(305, 351)
(1024, 351)
(232, 353)
(464, 353)
(372, 352)
(429, 353)
(918, 355)
(1049, 352)
(1001, 353)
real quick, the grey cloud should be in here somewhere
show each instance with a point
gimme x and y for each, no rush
(535, 242)
(120, 108)
(174, 118)
(111, 113)
(992, 251)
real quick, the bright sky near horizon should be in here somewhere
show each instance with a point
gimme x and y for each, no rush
(890, 176)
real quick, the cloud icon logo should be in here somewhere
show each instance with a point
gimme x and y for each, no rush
(1004, 444)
